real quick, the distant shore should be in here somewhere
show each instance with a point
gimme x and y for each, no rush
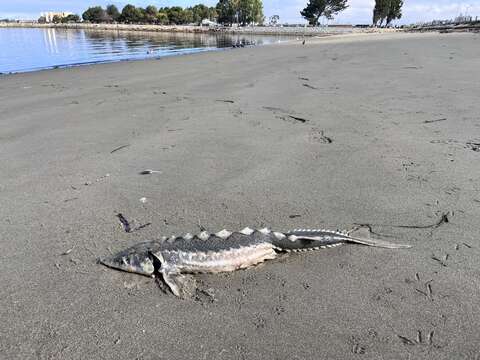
(254, 30)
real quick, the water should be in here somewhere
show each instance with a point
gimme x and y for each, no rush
(30, 49)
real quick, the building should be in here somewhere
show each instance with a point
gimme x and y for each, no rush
(49, 15)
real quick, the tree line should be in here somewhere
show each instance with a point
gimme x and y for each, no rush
(227, 12)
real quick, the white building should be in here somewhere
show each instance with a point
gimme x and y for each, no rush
(49, 15)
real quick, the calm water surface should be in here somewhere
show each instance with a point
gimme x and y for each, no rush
(25, 49)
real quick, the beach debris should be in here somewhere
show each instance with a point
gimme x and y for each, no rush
(473, 145)
(75, 261)
(149, 171)
(176, 258)
(119, 148)
(70, 199)
(435, 120)
(102, 177)
(358, 349)
(406, 340)
(419, 340)
(67, 251)
(440, 261)
(430, 337)
(226, 101)
(293, 216)
(143, 200)
(124, 222)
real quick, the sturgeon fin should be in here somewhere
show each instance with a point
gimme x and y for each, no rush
(304, 239)
(361, 235)
(183, 286)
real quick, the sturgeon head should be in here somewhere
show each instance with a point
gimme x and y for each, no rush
(137, 259)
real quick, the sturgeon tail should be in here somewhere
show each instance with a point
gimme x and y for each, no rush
(309, 239)
(361, 235)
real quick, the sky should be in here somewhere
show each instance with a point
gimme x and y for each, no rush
(358, 12)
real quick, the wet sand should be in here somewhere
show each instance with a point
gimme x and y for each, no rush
(381, 130)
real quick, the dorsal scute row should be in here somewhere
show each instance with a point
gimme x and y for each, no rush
(221, 240)
(222, 234)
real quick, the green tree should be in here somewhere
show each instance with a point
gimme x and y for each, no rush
(71, 18)
(394, 10)
(56, 19)
(113, 13)
(386, 10)
(151, 14)
(226, 10)
(273, 20)
(240, 11)
(200, 12)
(95, 15)
(213, 13)
(187, 16)
(175, 15)
(41, 20)
(130, 14)
(162, 18)
(318, 8)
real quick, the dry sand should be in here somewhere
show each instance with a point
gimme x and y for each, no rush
(402, 114)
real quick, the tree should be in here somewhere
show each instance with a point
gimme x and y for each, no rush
(95, 15)
(71, 18)
(56, 19)
(130, 14)
(113, 13)
(41, 20)
(386, 10)
(200, 12)
(176, 15)
(274, 19)
(151, 14)
(394, 11)
(162, 18)
(318, 8)
(213, 13)
(226, 12)
(240, 11)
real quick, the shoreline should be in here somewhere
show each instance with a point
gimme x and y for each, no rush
(377, 129)
(253, 30)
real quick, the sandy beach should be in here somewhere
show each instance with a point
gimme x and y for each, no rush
(379, 129)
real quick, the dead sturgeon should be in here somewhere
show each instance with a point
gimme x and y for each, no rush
(175, 257)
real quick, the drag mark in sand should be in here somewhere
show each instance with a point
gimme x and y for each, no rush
(119, 148)
(310, 86)
(284, 114)
(435, 120)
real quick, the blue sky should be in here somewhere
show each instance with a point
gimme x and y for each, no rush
(359, 11)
